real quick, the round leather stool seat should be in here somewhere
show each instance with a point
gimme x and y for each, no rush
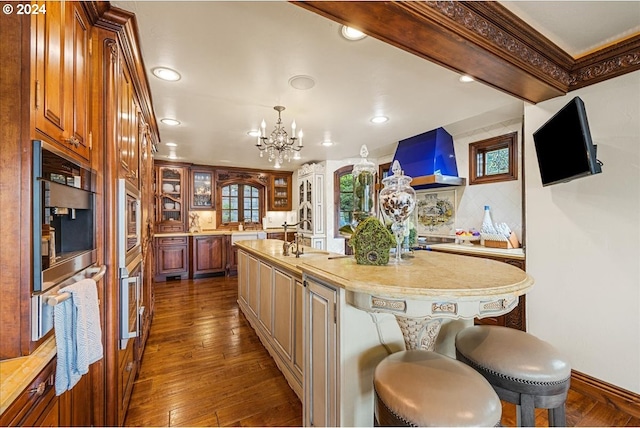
(523, 369)
(423, 388)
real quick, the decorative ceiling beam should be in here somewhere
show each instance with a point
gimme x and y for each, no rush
(484, 40)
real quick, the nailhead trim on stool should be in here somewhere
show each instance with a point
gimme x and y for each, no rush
(522, 369)
(423, 388)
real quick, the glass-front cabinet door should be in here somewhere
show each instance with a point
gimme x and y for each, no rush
(280, 192)
(170, 201)
(201, 189)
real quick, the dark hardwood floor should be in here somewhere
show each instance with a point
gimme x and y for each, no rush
(205, 366)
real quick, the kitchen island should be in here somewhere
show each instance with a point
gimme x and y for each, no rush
(347, 317)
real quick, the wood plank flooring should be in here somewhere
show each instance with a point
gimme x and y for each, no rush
(205, 366)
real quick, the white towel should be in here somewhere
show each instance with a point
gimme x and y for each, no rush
(78, 333)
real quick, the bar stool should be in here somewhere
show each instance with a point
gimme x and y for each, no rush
(424, 388)
(522, 369)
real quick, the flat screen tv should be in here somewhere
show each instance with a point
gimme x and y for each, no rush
(564, 146)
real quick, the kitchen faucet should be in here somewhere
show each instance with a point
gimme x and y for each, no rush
(287, 246)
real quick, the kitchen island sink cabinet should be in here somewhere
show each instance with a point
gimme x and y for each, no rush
(353, 316)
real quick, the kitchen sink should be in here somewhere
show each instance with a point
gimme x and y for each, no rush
(247, 235)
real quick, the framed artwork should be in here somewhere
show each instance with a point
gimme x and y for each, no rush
(435, 212)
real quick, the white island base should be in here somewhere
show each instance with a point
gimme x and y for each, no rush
(329, 322)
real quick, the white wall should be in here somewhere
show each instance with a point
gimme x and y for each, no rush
(583, 240)
(504, 198)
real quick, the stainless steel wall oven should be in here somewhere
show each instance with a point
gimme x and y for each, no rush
(64, 241)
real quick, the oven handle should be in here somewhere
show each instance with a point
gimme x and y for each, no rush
(125, 334)
(62, 296)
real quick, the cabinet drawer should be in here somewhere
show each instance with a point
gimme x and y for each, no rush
(32, 403)
(170, 228)
(175, 240)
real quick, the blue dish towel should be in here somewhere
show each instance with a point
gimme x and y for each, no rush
(78, 333)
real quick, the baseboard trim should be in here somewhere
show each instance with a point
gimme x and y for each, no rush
(606, 393)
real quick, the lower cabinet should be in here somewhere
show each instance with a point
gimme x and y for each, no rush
(208, 255)
(321, 393)
(172, 258)
(271, 299)
(39, 406)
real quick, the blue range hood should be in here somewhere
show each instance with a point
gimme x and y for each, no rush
(429, 159)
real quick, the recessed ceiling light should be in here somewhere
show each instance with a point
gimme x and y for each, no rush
(327, 143)
(172, 156)
(171, 145)
(466, 78)
(350, 33)
(253, 133)
(170, 122)
(379, 119)
(302, 82)
(165, 73)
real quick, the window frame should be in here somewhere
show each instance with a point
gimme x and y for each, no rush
(347, 169)
(241, 184)
(482, 147)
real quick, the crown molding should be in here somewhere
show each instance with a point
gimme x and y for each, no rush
(485, 40)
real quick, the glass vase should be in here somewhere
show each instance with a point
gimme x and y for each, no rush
(397, 202)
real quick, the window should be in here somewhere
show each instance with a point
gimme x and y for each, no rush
(343, 197)
(494, 159)
(240, 202)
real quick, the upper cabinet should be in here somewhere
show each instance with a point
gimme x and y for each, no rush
(61, 81)
(170, 191)
(128, 127)
(280, 192)
(202, 185)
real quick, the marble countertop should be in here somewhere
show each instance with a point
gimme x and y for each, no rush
(17, 373)
(271, 251)
(429, 274)
(512, 253)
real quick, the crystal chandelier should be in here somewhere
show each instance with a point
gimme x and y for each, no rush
(278, 145)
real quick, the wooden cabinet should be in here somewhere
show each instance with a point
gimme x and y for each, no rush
(232, 257)
(283, 312)
(127, 371)
(280, 236)
(280, 192)
(62, 43)
(253, 275)
(202, 185)
(271, 299)
(265, 309)
(208, 255)
(243, 278)
(311, 204)
(172, 258)
(128, 130)
(321, 395)
(170, 191)
(38, 404)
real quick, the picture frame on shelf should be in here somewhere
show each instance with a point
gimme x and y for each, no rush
(435, 212)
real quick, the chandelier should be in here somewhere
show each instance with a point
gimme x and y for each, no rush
(278, 145)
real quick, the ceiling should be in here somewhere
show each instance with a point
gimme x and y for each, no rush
(236, 59)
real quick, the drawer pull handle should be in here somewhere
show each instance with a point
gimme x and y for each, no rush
(72, 141)
(39, 390)
(129, 366)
